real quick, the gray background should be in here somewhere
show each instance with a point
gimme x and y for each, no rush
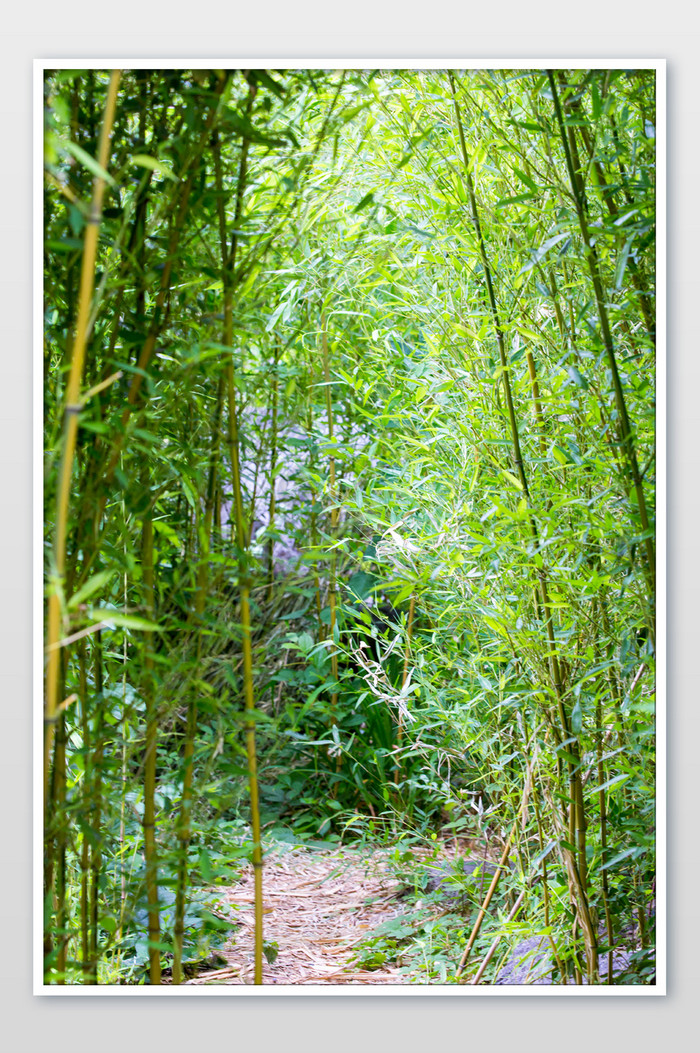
(315, 29)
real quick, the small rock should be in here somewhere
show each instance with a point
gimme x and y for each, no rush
(451, 872)
(532, 963)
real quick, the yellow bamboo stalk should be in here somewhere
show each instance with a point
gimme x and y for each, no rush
(492, 949)
(487, 900)
(70, 425)
(496, 877)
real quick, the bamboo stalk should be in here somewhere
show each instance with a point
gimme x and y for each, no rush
(626, 435)
(184, 835)
(545, 885)
(59, 805)
(607, 193)
(537, 403)
(641, 918)
(487, 900)
(70, 426)
(96, 813)
(515, 435)
(499, 870)
(184, 823)
(149, 811)
(492, 949)
(228, 266)
(248, 694)
(579, 899)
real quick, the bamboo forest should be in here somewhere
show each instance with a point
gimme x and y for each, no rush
(350, 555)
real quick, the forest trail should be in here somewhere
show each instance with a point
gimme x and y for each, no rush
(318, 907)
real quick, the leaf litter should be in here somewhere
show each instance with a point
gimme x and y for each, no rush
(318, 907)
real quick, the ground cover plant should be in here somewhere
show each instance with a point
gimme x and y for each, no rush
(349, 389)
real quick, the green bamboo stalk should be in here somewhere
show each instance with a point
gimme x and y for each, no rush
(184, 823)
(228, 269)
(149, 809)
(577, 821)
(626, 435)
(96, 811)
(641, 918)
(156, 326)
(515, 435)
(248, 694)
(536, 400)
(613, 680)
(59, 805)
(557, 306)
(545, 883)
(184, 834)
(70, 427)
(607, 193)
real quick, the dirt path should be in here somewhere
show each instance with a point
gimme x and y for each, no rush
(319, 905)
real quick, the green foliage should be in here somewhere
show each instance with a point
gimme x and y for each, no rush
(493, 639)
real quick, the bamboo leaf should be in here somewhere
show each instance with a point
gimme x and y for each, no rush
(144, 161)
(622, 264)
(529, 183)
(608, 783)
(125, 621)
(89, 162)
(542, 251)
(96, 582)
(635, 853)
